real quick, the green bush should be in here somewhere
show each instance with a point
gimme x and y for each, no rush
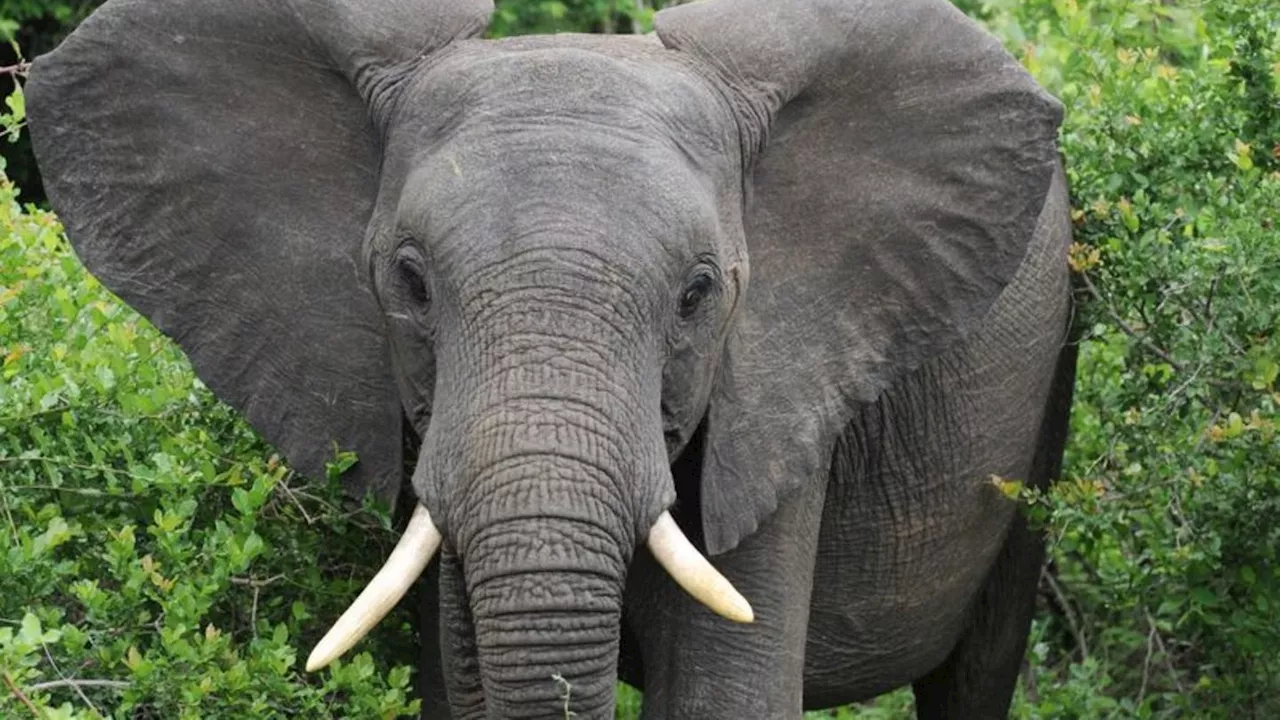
(156, 558)
(521, 17)
(1165, 530)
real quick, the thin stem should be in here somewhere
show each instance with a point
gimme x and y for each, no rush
(77, 684)
(1125, 327)
(1067, 612)
(1168, 660)
(13, 688)
(64, 463)
(65, 679)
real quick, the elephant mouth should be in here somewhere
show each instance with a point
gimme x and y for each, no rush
(421, 540)
(674, 439)
(672, 428)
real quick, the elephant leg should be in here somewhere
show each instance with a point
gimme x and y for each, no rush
(698, 666)
(978, 678)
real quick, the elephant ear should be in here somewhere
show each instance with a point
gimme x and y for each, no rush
(907, 160)
(215, 164)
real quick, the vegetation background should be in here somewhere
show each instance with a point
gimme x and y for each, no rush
(157, 560)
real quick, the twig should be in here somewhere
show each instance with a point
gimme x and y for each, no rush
(1168, 661)
(76, 466)
(641, 6)
(20, 68)
(18, 694)
(1213, 420)
(1146, 665)
(1029, 681)
(608, 17)
(289, 491)
(566, 694)
(1184, 385)
(77, 684)
(1125, 327)
(1067, 612)
(1208, 317)
(58, 670)
(254, 582)
(1208, 301)
(88, 492)
(4, 503)
(257, 586)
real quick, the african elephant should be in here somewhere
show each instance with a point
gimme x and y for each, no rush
(783, 285)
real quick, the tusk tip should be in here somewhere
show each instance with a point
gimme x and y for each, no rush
(317, 661)
(738, 610)
(415, 549)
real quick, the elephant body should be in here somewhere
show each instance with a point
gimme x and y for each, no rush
(917, 567)
(711, 342)
(941, 560)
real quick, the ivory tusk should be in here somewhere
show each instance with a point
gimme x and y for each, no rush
(419, 542)
(694, 573)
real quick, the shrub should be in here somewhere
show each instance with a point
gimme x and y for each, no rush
(156, 559)
(1165, 530)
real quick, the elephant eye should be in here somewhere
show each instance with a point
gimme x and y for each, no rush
(411, 276)
(699, 287)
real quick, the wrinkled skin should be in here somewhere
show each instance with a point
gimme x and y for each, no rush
(602, 278)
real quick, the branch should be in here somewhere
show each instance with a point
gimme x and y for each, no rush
(1149, 344)
(1146, 664)
(254, 582)
(284, 485)
(257, 586)
(67, 464)
(64, 678)
(18, 694)
(4, 505)
(1168, 661)
(77, 684)
(19, 69)
(1076, 631)
(1124, 326)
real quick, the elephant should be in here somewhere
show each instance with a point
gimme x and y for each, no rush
(711, 340)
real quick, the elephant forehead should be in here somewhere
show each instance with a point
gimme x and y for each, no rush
(630, 87)
(612, 146)
(484, 201)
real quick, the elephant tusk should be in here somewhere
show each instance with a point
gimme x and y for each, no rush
(419, 542)
(694, 573)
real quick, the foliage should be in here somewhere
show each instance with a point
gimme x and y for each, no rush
(1164, 534)
(156, 559)
(30, 28)
(519, 17)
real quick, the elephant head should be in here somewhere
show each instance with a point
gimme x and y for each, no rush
(360, 221)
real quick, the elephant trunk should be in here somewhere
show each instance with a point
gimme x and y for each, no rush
(548, 458)
(546, 602)
(545, 531)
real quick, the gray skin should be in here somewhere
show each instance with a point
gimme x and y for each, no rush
(794, 271)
